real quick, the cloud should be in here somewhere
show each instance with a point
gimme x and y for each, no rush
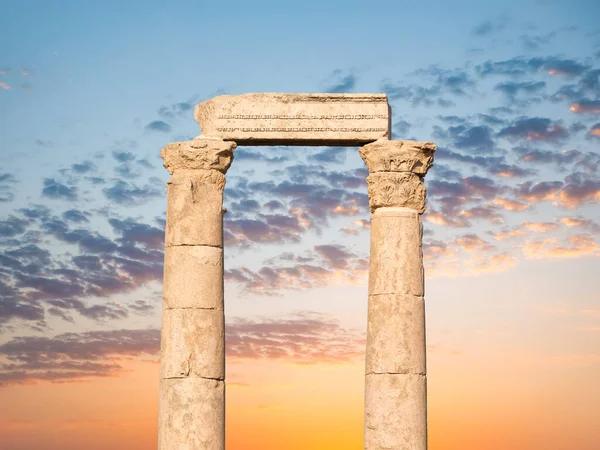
(471, 243)
(534, 129)
(5, 86)
(176, 109)
(495, 165)
(564, 67)
(586, 107)
(324, 265)
(576, 246)
(303, 338)
(330, 155)
(58, 191)
(445, 219)
(43, 143)
(466, 189)
(512, 88)
(267, 228)
(123, 157)
(580, 222)
(538, 192)
(341, 82)
(242, 154)
(128, 194)
(73, 357)
(478, 138)
(520, 66)
(359, 225)
(539, 227)
(578, 189)
(486, 212)
(84, 167)
(456, 82)
(589, 161)
(7, 182)
(73, 215)
(595, 131)
(489, 27)
(36, 282)
(467, 255)
(133, 232)
(159, 125)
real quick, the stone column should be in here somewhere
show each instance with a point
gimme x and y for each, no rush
(395, 375)
(192, 360)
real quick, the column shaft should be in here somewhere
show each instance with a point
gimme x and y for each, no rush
(395, 366)
(395, 384)
(192, 364)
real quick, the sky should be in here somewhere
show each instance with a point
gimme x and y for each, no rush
(508, 90)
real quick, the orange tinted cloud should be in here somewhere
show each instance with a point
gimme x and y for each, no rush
(472, 242)
(579, 222)
(586, 106)
(444, 220)
(511, 205)
(578, 245)
(303, 337)
(540, 227)
(508, 233)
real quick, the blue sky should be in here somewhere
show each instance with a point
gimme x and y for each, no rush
(510, 91)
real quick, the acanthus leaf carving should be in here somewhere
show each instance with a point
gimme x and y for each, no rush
(403, 189)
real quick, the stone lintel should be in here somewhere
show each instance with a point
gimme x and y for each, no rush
(296, 119)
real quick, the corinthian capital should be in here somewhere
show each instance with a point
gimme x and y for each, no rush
(200, 153)
(396, 171)
(398, 156)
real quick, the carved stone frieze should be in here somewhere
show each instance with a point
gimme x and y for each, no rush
(396, 189)
(398, 156)
(200, 153)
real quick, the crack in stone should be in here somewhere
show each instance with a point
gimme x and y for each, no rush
(398, 373)
(187, 377)
(199, 308)
(193, 245)
(422, 297)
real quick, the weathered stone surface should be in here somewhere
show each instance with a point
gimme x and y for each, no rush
(398, 156)
(396, 189)
(396, 334)
(396, 262)
(193, 277)
(395, 412)
(200, 153)
(193, 343)
(195, 208)
(296, 119)
(191, 414)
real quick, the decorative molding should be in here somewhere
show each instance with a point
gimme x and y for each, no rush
(398, 156)
(200, 153)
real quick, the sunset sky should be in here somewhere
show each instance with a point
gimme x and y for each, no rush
(509, 90)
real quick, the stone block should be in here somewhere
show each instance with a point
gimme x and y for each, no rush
(192, 414)
(396, 262)
(396, 334)
(195, 208)
(193, 277)
(193, 343)
(296, 119)
(395, 412)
